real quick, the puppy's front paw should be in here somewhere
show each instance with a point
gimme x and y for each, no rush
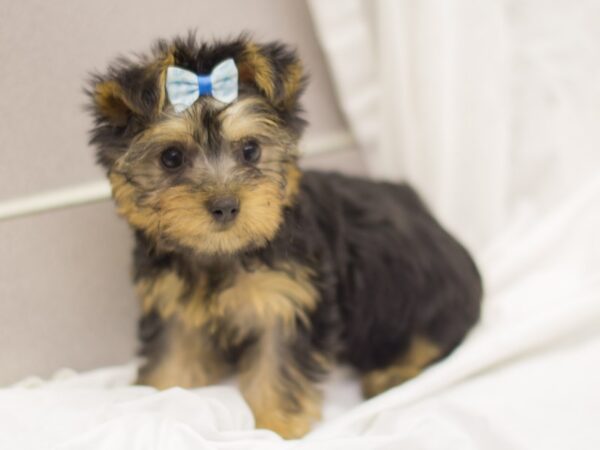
(287, 425)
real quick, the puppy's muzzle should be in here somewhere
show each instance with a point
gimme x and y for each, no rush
(224, 210)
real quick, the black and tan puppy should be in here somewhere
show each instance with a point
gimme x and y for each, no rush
(245, 264)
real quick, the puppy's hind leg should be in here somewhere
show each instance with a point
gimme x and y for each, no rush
(420, 353)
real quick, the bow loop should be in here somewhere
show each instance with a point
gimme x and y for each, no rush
(185, 87)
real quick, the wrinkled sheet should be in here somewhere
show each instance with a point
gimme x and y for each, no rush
(528, 377)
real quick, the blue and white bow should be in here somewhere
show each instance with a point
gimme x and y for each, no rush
(184, 87)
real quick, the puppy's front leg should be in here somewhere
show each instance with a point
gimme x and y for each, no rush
(178, 348)
(184, 357)
(278, 388)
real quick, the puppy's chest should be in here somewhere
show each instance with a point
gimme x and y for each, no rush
(241, 302)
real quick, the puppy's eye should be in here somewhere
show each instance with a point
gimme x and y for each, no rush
(251, 151)
(172, 158)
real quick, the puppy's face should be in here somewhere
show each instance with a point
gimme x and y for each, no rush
(216, 177)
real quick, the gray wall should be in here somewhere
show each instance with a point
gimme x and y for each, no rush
(65, 294)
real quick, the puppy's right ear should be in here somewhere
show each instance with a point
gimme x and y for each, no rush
(125, 100)
(113, 104)
(130, 90)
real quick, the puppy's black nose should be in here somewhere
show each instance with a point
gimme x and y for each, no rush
(224, 209)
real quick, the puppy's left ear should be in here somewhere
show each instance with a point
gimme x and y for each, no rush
(130, 91)
(276, 71)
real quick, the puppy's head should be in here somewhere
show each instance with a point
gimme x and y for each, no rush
(215, 177)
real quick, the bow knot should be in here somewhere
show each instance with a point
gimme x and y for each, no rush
(185, 87)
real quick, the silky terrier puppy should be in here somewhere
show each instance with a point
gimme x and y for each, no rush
(246, 264)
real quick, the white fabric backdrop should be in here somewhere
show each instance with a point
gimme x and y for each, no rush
(489, 108)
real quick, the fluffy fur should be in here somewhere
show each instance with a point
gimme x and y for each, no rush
(314, 268)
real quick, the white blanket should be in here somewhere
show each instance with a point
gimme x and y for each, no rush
(528, 377)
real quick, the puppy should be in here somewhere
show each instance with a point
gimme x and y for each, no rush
(245, 264)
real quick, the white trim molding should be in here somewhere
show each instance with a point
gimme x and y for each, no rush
(86, 193)
(79, 194)
(331, 142)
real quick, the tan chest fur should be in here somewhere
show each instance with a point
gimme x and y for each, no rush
(250, 300)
